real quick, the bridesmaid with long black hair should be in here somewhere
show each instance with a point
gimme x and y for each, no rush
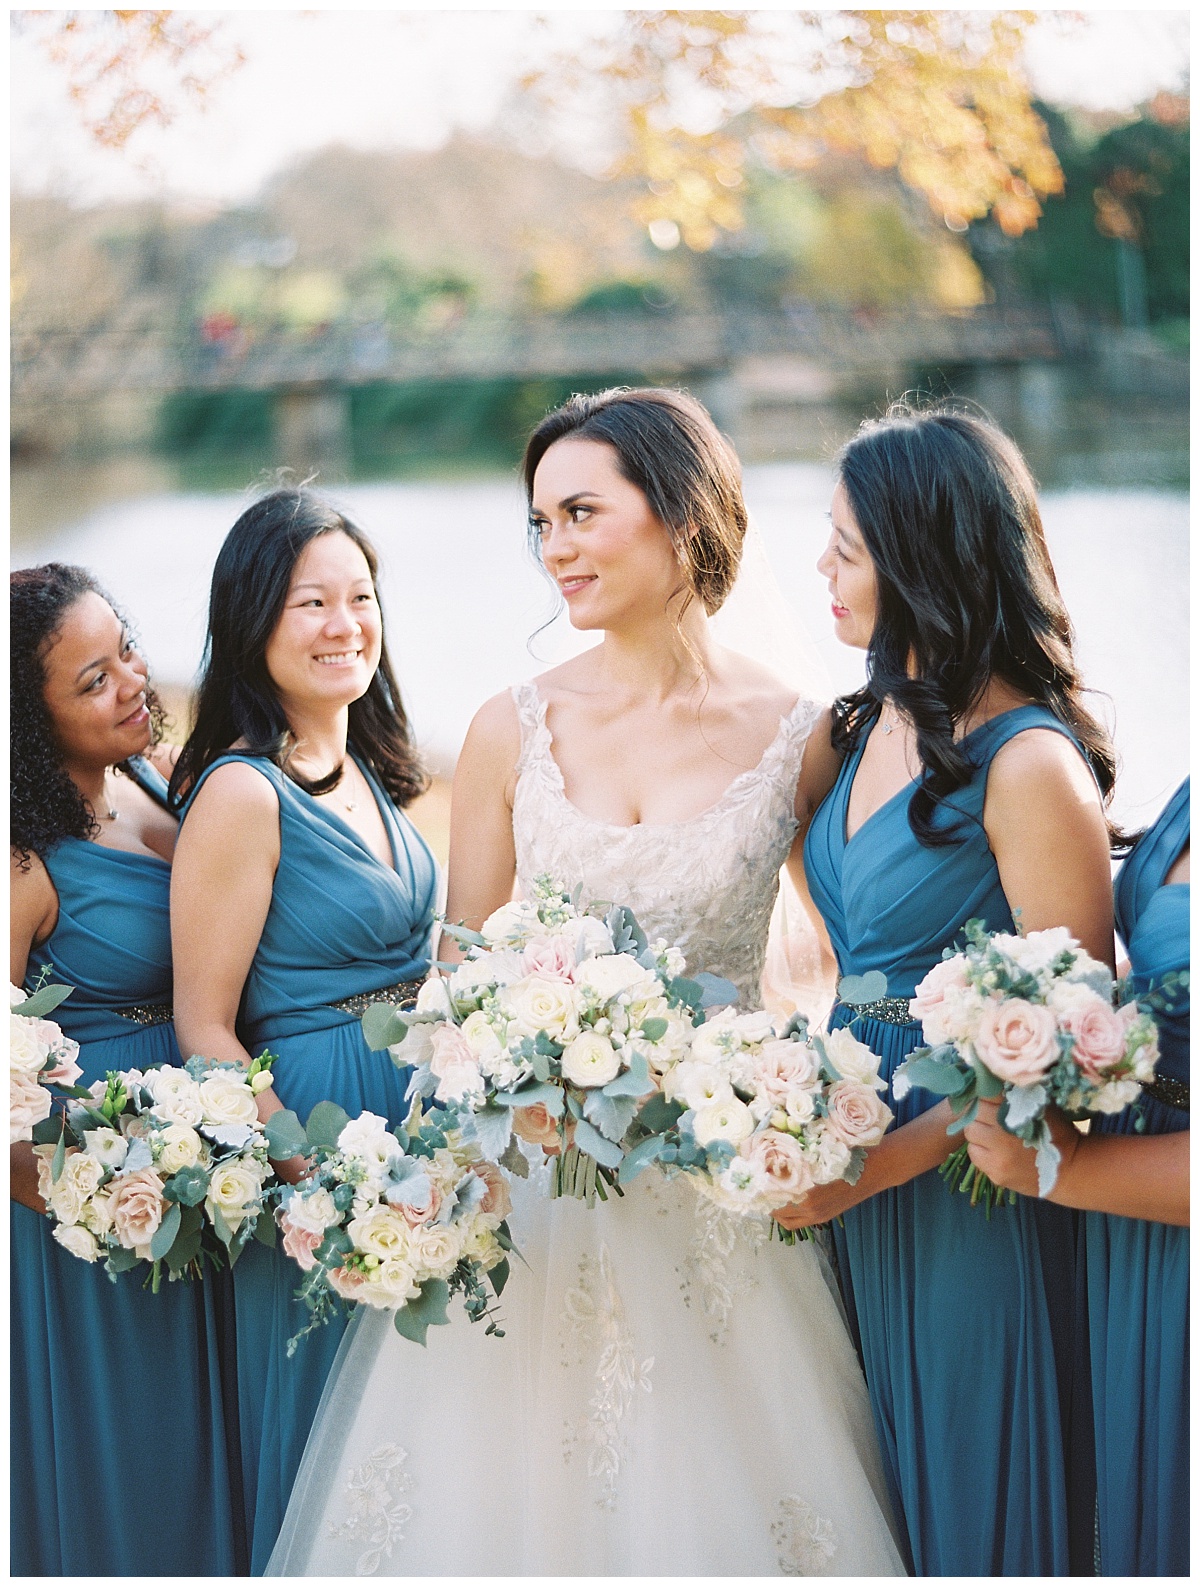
(1130, 1175)
(972, 785)
(301, 892)
(118, 1458)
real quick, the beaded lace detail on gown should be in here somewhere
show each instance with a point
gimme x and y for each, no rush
(707, 884)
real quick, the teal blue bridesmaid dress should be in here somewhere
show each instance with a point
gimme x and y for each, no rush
(970, 1328)
(1137, 1271)
(341, 923)
(119, 1461)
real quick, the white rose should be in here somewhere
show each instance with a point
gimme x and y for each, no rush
(392, 1283)
(701, 1085)
(178, 1147)
(853, 1059)
(15, 995)
(77, 1240)
(30, 1043)
(107, 1146)
(436, 1248)
(381, 1232)
(481, 1037)
(540, 1005)
(368, 1136)
(799, 1107)
(434, 998)
(226, 1099)
(314, 1212)
(611, 974)
(512, 925)
(756, 1026)
(590, 1060)
(78, 1182)
(723, 1121)
(97, 1215)
(28, 1104)
(233, 1190)
(176, 1096)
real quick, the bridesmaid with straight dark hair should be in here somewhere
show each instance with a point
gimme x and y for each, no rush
(972, 785)
(301, 893)
(118, 1460)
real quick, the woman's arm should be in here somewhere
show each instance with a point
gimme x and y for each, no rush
(1134, 1176)
(32, 916)
(483, 861)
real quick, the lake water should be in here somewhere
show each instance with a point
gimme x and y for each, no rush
(462, 597)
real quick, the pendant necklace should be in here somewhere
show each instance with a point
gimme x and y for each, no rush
(111, 812)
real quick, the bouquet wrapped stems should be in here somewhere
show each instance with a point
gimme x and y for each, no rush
(960, 1174)
(574, 1173)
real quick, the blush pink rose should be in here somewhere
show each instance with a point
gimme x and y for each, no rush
(300, 1244)
(28, 1104)
(137, 1207)
(1016, 1040)
(347, 1282)
(779, 1165)
(783, 1067)
(934, 1000)
(416, 1213)
(857, 1114)
(497, 1201)
(454, 1064)
(66, 1071)
(536, 1125)
(553, 959)
(1100, 1033)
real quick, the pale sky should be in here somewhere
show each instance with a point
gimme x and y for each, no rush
(388, 78)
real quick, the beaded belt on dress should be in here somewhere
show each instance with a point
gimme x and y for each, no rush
(147, 1013)
(402, 995)
(891, 1010)
(1173, 1092)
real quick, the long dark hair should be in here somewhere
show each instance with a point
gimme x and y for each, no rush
(948, 511)
(237, 699)
(668, 446)
(46, 806)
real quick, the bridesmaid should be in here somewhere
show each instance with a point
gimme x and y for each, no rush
(300, 894)
(1135, 1190)
(972, 785)
(118, 1459)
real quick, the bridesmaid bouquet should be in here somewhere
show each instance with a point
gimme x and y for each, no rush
(400, 1220)
(759, 1115)
(552, 1031)
(1030, 1019)
(164, 1165)
(39, 1055)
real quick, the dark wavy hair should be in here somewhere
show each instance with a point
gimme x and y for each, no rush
(947, 508)
(668, 446)
(237, 699)
(46, 806)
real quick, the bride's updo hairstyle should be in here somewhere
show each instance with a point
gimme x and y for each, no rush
(668, 446)
(237, 701)
(948, 511)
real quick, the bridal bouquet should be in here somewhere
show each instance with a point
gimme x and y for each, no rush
(400, 1220)
(1031, 1020)
(39, 1055)
(758, 1115)
(162, 1165)
(553, 1030)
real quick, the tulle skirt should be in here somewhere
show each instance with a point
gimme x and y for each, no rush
(674, 1395)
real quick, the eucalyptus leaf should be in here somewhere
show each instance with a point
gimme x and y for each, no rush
(541, 1066)
(643, 1153)
(428, 1310)
(44, 1001)
(285, 1136)
(634, 1082)
(223, 1232)
(715, 990)
(498, 1276)
(47, 1130)
(186, 1248)
(464, 934)
(121, 1260)
(658, 1114)
(591, 1142)
(163, 1237)
(188, 1187)
(334, 1243)
(264, 1228)
(325, 1123)
(858, 990)
(382, 1027)
(927, 1072)
(654, 1029)
(58, 1161)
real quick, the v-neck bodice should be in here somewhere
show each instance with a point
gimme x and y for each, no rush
(341, 921)
(891, 903)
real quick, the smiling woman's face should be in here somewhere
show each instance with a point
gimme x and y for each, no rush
(609, 555)
(95, 689)
(847, 564)
(327, 642)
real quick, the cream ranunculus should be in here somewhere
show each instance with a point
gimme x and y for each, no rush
(176, 1095)
(717, 1038)
(233, 1191)
(612, 974)
(137, 1207)
(853, 1059)
(539, 1005)
(228, 1099)
(178, 1147)
(77, 1240)
(28, 1104)
(590, 1060)
(722, 1121)
(79, 1180)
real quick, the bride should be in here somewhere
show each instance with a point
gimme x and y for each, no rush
(675, 1394)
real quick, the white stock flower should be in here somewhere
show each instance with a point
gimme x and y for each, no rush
(178, 1147)
(853, 1059)
(1114, 1096)
(79, 1241)
(1036, 952)
(107, 1146)
(590, 1060)
(228, 1099)
(829, 1156)
(176, 1095)
(722, 1121)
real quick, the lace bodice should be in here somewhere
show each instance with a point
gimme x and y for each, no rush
(707, 884)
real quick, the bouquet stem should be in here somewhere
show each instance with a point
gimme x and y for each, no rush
(960, 1174)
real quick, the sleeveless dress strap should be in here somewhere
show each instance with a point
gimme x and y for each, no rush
(531, 714)
(149, 779)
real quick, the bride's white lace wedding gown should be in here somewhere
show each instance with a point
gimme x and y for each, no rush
(674, 1394)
